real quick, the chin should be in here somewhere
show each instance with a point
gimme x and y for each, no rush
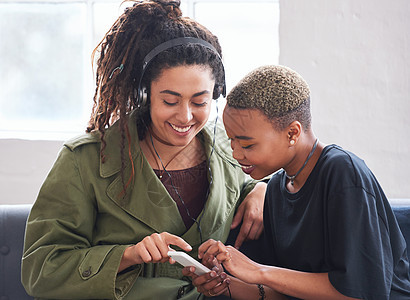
(256, 176)
(181, 142)
(259, 175)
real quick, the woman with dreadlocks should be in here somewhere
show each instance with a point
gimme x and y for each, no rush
(149, 175)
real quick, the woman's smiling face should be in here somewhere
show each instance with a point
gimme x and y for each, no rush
(257, 146)
(181, 102)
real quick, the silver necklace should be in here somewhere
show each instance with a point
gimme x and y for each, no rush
(292, 178)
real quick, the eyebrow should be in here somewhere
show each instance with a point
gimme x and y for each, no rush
(243, 137)
(179, 95)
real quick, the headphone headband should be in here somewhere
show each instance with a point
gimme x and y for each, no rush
(173, 43)
(141, 94)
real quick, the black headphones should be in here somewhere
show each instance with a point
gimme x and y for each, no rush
(141, 94)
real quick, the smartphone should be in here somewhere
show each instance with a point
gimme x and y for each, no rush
(187, 261)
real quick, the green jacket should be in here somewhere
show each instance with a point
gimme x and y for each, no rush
(81, 223)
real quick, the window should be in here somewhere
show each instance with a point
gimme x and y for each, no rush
(45, 56)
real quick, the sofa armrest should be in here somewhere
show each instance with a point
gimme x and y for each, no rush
(12, 227)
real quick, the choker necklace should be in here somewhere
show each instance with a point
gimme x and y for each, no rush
(292, 178)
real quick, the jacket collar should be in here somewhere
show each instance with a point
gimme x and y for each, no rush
(112, 164)
(156, 208)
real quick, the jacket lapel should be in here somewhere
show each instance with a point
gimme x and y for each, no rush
(223, 193)
(146, 198)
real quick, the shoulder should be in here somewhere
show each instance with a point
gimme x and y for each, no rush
(111, 136)
(84, 139)
(336, 154)
(345, 169)
(80, 151)
(336, 159)
(83, 150)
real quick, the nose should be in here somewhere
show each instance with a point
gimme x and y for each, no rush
(237, 152)
(184, 114)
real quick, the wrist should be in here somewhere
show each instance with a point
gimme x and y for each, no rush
(127, 259)
(227, 291)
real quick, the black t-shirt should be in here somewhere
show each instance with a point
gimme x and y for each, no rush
(341, 223)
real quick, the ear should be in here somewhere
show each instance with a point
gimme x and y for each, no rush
(294, 131)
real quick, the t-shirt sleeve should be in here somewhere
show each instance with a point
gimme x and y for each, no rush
(359, 245)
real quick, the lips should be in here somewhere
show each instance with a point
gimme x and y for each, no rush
(248, 169)
(181, 129)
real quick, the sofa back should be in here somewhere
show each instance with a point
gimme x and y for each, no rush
(403, 218)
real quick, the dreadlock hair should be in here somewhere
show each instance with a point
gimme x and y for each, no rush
(142, 27)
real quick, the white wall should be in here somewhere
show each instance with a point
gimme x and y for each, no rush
(23, 167)
(355, 56)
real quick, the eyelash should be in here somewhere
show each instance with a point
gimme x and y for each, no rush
(200, 104)
(169, 103)
(243, 147)
(196, 104)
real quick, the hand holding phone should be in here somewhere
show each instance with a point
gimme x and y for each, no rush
(187, 261)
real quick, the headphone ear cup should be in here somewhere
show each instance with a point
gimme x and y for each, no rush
(141, 96)
(218, 91)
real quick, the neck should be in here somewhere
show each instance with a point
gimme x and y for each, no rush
(162, 154)
(299, 176)
(155, 136)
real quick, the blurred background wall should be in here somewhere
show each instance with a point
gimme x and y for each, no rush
(355, 56)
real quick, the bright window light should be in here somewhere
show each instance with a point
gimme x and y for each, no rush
(45, 56)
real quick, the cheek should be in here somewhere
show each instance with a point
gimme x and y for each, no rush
(202, 115)
(256, 158)
(159, 115)
(260, 157)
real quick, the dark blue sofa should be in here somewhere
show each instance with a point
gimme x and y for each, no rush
(12, 225)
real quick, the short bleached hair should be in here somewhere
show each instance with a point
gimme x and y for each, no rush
(278, 91)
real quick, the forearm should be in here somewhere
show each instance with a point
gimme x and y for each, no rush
(299, 284)
(75, 273)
